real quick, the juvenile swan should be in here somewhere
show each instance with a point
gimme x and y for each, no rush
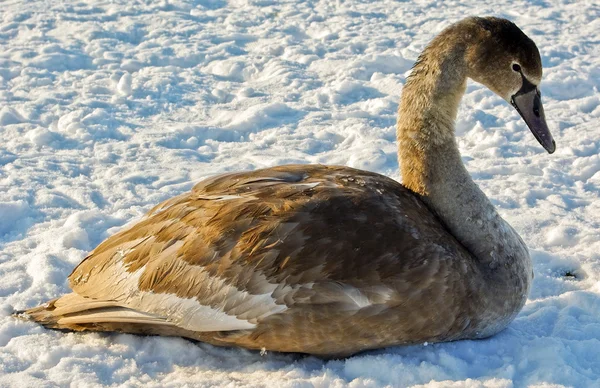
(329, 260)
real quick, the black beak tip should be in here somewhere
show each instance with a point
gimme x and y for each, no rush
(552, 148)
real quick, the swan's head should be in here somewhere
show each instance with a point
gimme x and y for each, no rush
(505, 60)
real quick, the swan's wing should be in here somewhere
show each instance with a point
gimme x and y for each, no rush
(242, 247)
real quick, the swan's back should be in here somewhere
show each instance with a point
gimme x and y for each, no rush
(284, 224)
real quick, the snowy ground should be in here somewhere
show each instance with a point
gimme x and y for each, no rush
(108, 107)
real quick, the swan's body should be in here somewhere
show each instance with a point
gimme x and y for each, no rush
(324, 260)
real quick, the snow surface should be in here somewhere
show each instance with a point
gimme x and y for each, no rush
(108, 107)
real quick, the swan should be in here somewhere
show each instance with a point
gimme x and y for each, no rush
(331, 260)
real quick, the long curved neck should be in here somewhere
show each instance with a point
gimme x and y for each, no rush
(430, 161)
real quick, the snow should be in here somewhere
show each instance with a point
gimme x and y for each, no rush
(108, 107)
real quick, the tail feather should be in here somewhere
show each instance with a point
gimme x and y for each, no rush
(75, 312)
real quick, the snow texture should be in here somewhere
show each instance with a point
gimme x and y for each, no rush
(108, 107)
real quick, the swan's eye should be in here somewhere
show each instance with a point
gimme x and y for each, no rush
(516, 67)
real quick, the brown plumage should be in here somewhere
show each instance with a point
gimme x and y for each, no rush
(326, 260)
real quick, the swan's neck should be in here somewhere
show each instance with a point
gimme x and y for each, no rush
(431, 164)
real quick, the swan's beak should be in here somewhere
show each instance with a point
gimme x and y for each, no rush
(528, 103)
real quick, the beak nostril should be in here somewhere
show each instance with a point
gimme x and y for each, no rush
(537, 103)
